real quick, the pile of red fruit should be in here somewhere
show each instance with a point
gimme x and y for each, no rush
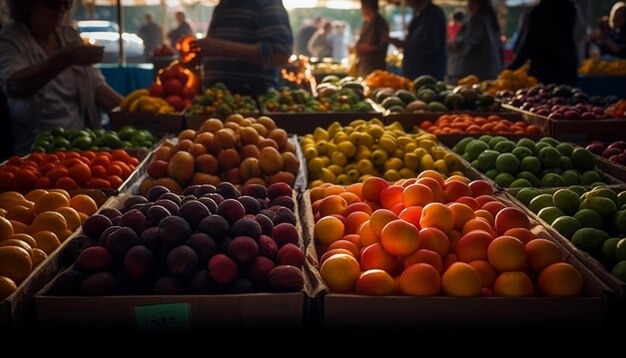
(177, 85)
(615, 152)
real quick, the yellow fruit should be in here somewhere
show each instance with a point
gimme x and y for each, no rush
(407, 173)
(364, 166)
(84, 204)
(327, 176)
(437, 152)
(339, 158)
(47, 241)
(427, 163)
(452, 161)
(441, 167)
(15, 263)
(379, 157)
(411, 161)
(322, 147)
(315, 183)
(320, 134)
(340, 137)
(344, 180)
(310, 152)
(426, 144)
(38, 257)
(7, 287)
(51, 221)
(336, 169)
(50, 202)
(6, 229)
(375, 131)
(347, 148)
(34, 194)
(392, 175)
(393, 163)
(388, 144)
(72, 217)
(315, 165)
(363, 152)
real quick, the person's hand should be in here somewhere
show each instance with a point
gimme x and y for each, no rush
(205, 46)
(80, 54)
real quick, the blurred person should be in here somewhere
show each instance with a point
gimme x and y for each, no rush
(602, 31)
(247, 57)
(182, 29)
(371, 48)
(476, 50)
(425, 45)
(614, 43)
(549, 43)
(151, 34)
(456, 20)
(304, 35)
(47, 73)
(321, 45)
(339, 40)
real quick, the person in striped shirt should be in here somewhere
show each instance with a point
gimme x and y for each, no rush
(245, 46)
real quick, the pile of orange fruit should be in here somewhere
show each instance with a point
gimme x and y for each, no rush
(380, 78)
(32, 226)
(67, 170)
(465, 123)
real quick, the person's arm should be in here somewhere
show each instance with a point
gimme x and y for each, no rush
(28, 80)
(378, 38)
(107, 98)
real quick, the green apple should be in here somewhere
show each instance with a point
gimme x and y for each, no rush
(566, 226)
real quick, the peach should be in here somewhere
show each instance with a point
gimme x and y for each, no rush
(412, 214)
(334, 189)
(478, 223)
(406, 182)
(250, 151)
(158, 169)
(347, 245)
(420, 280)
(462, 213)
(379, 219)
(483, 199)
(267, 122)
(560, 279)
(375, 283)
(522, 234)
(432, 174)
(207, 163)
(181, 167)
(454, 236)
(211, 125)
(426, 257)
(400, 238)
(459, 178)
(375, 257)
(542, 253)
(233, 176)
(513, 284)
(271, 160)
(228, 158)
(184, 145)
(373, 187)
(455, 189)
(248, 135)
(373, 205)
(224, 138)
(469, 201)
(461, 280)
(163, 153)
(480, 187)
(351, 198)
(473, 246)
(279, 135)
(355, 239)
(391, 196)
(434, 186)
(356, 207)
(506, 253)
(493, 207)
(197, 149)
(437, 215)
(266, 142)
(509, 218)
(207, 140)
(482, 213)
(249, 168)
(281, 177)
(366, 235)
(334, 204)
(354, 221)
(397, 209)
(329, 253)
(340, 273)
(356, 188)
(203, 178)
(486, 271)
(328, 230)
(431, 238)
(417, 195)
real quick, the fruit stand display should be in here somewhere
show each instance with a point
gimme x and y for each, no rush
(428, 237)
(348, 154)
(566, 112)
(611, 157)
(526, 163)
(589, 220)
(34, 229)
(218, 101)
(61, 139)
(217, 251)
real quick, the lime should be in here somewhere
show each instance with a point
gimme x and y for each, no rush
(526, 195)
(507, 163)
(566, 226)
(504, 179)
(550, 214)
(589, 218)
(566, 200)
(539, 202)
(619, 270)
(590, 240)
(608, 254)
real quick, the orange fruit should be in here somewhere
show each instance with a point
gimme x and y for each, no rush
(23, 237)
(50, 202)
(560, 279)
(506, 253)
(6, 229)
(62, 191)
(513, 284)
(420, 280)
(21, 213)
(375, 283)
(33, 195)
(328, 230)
(51, 221)
(7, 287)
(72, 217)
(19, 228)
(15, 263)
(84, 204)
(18, 243)
(47, 241)
(461, 280)
(340, 272)
(39, 256)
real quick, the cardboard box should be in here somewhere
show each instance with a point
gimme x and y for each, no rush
(283, 310)
(154, 122)
(613, 169)
(18, 309)
(399, 312)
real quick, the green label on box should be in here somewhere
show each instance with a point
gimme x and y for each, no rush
(166, 317)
